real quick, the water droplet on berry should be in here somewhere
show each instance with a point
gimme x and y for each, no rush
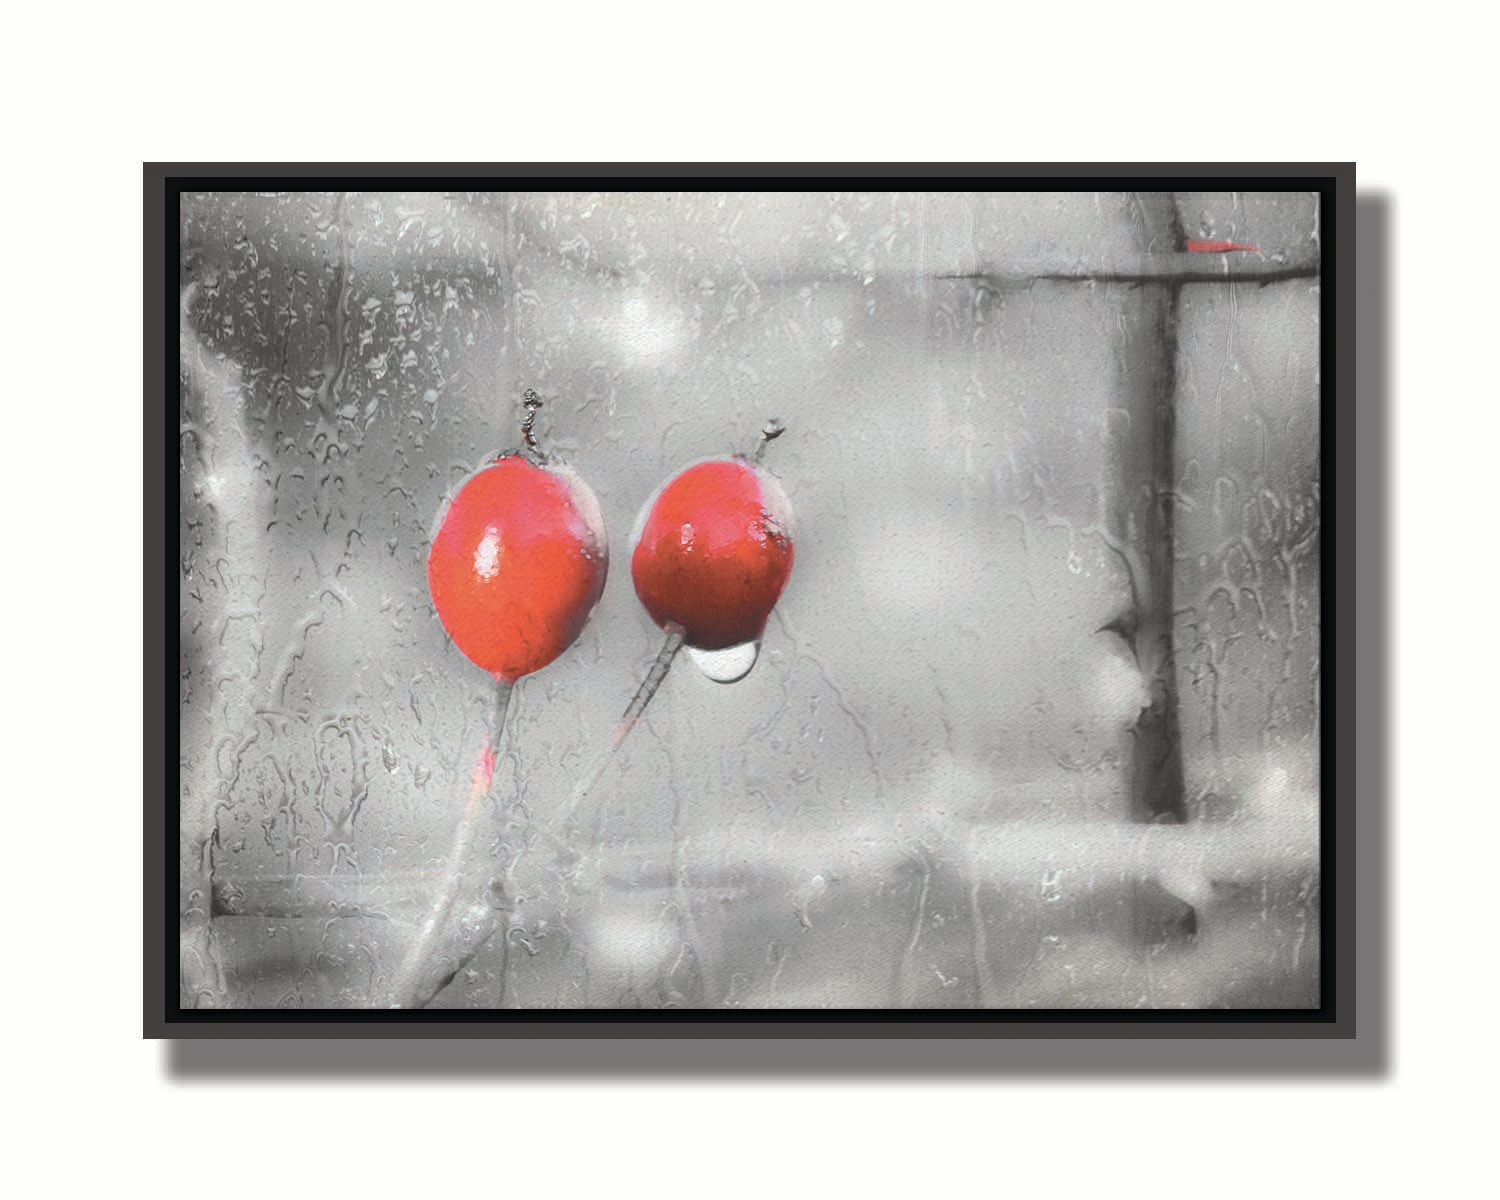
(726, 666)
(487, 555)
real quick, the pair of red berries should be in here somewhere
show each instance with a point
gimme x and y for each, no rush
(517, 566)
(520, 558)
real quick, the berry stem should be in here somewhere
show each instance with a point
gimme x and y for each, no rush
(532, 402)
(563, 823)
(429, 963)
(653, 681)
(769, 432)
(669, 648)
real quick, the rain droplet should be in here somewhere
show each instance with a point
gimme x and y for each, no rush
(726, 666)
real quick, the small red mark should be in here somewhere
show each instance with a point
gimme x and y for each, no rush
(484, 769)
(1209, 246)
(479, 785)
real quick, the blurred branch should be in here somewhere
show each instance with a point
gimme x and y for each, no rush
(200, 967)
(213, 389)
(1016, 853)
(395, 895)
(469, 229)
(1175, 268)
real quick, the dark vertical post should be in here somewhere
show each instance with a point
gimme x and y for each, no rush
(1157, 783)
(1141, 517)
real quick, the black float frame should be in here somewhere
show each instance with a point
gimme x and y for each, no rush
(1352, 829)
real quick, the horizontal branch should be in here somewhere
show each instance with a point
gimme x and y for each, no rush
(400, 895)
(1146, 268)
(1014, 853)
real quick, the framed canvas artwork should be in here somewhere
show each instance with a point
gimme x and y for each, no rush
(761, 600)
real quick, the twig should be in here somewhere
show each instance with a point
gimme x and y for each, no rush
(425, 970)
(633, 711)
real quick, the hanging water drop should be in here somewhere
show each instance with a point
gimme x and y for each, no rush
(729, 665)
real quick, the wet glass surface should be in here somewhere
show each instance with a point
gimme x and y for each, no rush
(1035, 723)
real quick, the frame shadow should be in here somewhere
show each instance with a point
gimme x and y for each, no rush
(1363, 637)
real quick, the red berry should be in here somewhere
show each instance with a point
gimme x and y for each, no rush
(517, 565)
(713, 552)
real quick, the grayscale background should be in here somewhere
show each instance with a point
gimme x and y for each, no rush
(1035, 725)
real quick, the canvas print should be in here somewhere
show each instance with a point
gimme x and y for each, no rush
(750, 600)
